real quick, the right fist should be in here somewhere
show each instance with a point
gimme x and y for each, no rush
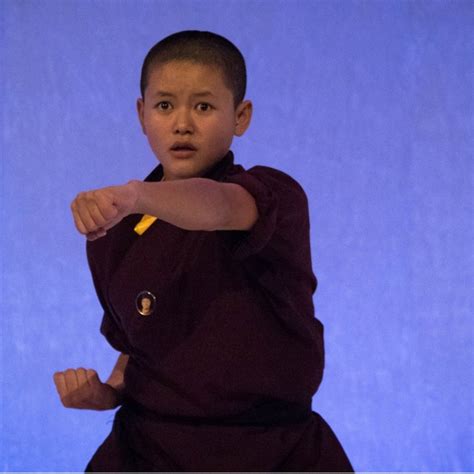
(96, 211)
(81, 388)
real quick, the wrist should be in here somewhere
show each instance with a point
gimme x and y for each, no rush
(116, 396)
(135, 189)
(118, 399)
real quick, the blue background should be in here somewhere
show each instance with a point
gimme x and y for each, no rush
(368, 104)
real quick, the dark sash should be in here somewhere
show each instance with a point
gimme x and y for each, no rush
(267, 413)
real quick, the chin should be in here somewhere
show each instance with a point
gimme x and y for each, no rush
(183, 173)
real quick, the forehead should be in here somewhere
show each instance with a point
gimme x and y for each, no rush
(187, 77)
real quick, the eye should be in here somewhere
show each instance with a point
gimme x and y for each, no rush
(163, 105)
(204, 107)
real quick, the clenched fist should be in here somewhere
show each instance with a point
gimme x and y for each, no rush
(95, 212)
(81, 388)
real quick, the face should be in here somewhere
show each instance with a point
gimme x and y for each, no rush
(146, 303)
(189, 118)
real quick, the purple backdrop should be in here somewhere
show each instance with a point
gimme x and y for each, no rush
(367, 103)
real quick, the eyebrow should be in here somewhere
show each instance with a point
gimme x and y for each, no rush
(196, 94)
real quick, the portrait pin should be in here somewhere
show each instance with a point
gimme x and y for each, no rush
(145, 303)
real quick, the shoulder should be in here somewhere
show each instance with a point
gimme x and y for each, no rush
(279, 198)
(277, 176)
(287, 193)
(275, 180)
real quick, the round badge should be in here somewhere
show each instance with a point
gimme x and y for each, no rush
(145, 303)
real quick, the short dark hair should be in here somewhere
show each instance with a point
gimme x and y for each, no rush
(201, 47)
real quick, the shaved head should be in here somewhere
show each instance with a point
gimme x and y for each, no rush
(200, 47)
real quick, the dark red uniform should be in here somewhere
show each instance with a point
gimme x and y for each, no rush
(222, 372)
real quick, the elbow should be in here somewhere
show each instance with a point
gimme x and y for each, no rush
(239, 209)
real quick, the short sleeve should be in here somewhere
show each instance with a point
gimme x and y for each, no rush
(282, 210)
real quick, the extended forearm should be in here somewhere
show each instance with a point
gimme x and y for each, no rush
(192, 204)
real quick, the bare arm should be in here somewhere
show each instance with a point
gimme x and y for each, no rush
(197, 204)
(192, 204)
(115, 379)
(82, 388)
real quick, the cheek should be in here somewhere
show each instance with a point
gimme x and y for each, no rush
(154, 134)
(222, 132)
(153, 141)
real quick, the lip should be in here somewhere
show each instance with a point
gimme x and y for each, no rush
(178, 145)
(182, 149)
(182, 153)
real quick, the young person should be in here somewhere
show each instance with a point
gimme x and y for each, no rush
(218, 371)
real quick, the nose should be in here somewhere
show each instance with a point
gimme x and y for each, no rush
(184, 123)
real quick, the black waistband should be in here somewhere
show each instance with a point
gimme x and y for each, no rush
(268, 413)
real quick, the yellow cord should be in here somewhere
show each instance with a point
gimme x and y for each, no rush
(145, 222)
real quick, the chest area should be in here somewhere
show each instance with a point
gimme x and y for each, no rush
(161, 286)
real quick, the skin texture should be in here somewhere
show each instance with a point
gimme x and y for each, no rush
(184, 103)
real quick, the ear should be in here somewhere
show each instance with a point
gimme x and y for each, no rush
(141, 113)
(243, 115)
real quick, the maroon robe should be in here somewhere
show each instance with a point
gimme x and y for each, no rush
(222, 373)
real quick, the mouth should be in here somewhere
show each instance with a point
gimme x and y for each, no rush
(179, 146)
(183, 149)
